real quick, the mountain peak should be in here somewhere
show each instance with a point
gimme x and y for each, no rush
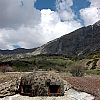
(97, 23)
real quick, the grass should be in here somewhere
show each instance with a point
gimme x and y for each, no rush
(93, 72)
(59, 63)
(51, 62)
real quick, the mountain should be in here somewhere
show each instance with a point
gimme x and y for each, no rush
(17, 51)
(80, 42)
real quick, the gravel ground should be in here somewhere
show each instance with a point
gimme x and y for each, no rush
(90, 84)
(69, 95)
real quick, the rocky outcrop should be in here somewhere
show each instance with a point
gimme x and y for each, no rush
(8, 88)
(42, 84)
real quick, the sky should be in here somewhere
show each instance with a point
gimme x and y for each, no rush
(32, 23)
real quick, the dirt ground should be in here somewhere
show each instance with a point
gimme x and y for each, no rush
(89, 85)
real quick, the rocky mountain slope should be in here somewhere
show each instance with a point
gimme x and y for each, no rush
(80, 42)
(16, 51)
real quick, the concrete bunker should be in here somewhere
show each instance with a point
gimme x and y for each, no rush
(54, 90)
(41, 84)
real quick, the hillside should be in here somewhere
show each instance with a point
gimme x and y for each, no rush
(16, 51)
(80, 42)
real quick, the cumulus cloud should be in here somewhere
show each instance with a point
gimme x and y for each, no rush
(25, 37)
(64, 9)
(53, 27)
(23, 25)
(95, 3)
(91, 14)
(49, 28)
(18, 24)
(14, 13)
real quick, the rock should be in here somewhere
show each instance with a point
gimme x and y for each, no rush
(8, 88)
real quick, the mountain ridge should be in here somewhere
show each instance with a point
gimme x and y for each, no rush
(17, 51)
(79, 42)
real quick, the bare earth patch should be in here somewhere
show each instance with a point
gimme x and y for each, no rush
(89, 85)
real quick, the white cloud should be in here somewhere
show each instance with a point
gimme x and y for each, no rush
(95, 3)
(91, 14)
(25, 37)
(64, 9)
(49, 28)
(28, 27)
(13, 13)
(18, 24)
(52, 27)
(55, 24)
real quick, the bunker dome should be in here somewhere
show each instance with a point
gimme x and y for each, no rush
(41, 84)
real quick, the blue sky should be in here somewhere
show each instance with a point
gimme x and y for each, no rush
(77, 5)
(51, 4)
(45, 4)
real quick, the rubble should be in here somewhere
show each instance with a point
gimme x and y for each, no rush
(41, 84)
(8, 88)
